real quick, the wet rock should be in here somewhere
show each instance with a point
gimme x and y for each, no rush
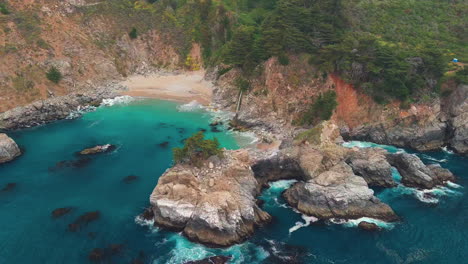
(115, 249)
(215, 129)
(164, 144)
(441, 175)
(9, 187)
(371, 164)
(368, 226)
(413, 171)
(211, 260)
(221, 215)
(216, 123)
(338, 193)
(59, 212)
(83, 220)
(98, 149)
(130, 179)
(8, 149)
(202, 130)
(147, 214)
(180, 130)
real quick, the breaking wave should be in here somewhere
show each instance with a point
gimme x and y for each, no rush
(124, 99)
(308, 220)
(190, 107)
(80, 110)
(355, 222)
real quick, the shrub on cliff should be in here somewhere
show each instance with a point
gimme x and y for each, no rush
(133, 34)
(321, 109)
(54, 75)
(3, 9)
(197, 149)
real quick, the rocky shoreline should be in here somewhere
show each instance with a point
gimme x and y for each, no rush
(56, 108)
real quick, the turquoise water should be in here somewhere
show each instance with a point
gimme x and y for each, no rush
(430, 231)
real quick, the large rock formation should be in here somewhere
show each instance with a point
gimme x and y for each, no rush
(8, 149)
(371, 164)
(414, 173)
(457, 105)
(214, 204)
(338, 193)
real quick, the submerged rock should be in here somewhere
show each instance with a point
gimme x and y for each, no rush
(59, 212)
(371, 164)
(414, 173)
(338, 193)
(130, 179)
(368, 226)
(211, 260)
(98, 149)
(97, 255)
(221, 213)
(8, 149)
(9, 187)
(84, 219)
(164, 144)
(76, 164)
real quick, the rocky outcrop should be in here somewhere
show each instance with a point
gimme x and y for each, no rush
(457, 108)
(414, 173)
(338, 193)
(214, 204)
(371, 164)
(55, 108)
(368, 226)
(9, 150)
(98, 149)
(211, 260)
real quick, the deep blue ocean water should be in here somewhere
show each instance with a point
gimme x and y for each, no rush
(431, 231)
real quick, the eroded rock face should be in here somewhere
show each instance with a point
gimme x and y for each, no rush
(414, 173)
(338, 193)
(371, 164)
(9, 150)
(211, 205)
(458, 111)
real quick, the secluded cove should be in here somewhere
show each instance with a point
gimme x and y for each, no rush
(144, 132)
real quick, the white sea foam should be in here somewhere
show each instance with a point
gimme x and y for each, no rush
(185, 251)
(454, 185)
(430, 196)
(124, 99)
(80, 110)
(433, 159)
(307, 219)
(190, 107)
(281, 185)
(446, 150)
(379, 223)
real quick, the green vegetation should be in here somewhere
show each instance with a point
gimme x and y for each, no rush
(321, 109)
(196, 149)
(3, 9)
(133, 34)
(312, 135)
(54, 75)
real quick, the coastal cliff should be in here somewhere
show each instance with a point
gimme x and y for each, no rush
(9, 150)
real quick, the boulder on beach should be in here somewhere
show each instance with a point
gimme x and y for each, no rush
(98, 149)
(213, 204)
(9, 150)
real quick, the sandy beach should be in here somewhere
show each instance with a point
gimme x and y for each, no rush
(184, 87)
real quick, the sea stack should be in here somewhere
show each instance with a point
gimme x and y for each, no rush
(9, 150)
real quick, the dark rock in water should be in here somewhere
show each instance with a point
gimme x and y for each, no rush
(98, 149)
(183, 140)
(148, 214)
(92, 235)
(215, 129)
(83, 220)
(97, 255)
(130, 179)
(140, 259)
(180, 130)
(10, 186)
(164, 144)
(9, 150)
(368, 226)
(59, 212)
(216, 123)
(115, 249)
(211, 260)
(202, 130)
(281, 252)
(76, 164)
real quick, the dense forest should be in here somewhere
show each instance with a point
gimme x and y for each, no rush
(390, 49)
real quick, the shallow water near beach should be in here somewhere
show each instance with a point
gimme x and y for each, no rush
(144, 131)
